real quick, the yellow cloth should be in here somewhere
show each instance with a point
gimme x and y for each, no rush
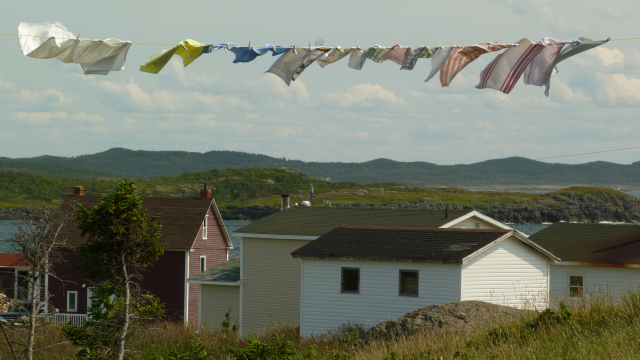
(158, 61)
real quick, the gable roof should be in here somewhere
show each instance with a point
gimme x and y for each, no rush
(317, 221)
(227, 273)
(592, 243)
(10, 260)
(432, 245)
(181, 219)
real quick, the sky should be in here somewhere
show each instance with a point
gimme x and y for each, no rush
(328, 114)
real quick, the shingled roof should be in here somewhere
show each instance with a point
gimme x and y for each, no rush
(432, 245)
(592, 243)
(181, 219)
(227, 272)
(317, 221)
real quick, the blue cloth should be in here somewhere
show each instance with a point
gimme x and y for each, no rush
(215, 47)
(246, 54)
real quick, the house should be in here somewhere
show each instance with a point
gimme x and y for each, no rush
(11, 283)
(596, 258)
(268, 292)
(370, 274)
(196, 240)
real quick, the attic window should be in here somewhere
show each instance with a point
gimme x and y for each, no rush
(204, 227)
(576, 286)
(350, 282)
(408, 282)
(476, 225)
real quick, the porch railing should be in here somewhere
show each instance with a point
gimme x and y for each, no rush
(62, 319)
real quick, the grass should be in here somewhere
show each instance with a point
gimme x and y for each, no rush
(600, 327)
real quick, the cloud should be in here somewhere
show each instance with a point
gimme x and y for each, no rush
(607, 56)
(618, 89)
(364, 95)
(39, 118)
(50, 96)
(87, 118)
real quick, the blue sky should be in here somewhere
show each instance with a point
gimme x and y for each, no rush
(333, 113)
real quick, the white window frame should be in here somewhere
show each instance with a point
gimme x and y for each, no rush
(205, 223)
(75, 294)
(203, 263)
(476, 225)
(584, 281)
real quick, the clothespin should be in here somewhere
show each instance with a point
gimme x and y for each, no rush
(183, 46)
(249, 44)
(410, 48)
(294, 49)
(225, 47)
(358, 47)
(309, 44)
(339, 49)
(273, 48)
(78, 38)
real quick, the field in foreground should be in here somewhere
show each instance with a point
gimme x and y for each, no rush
(595, 329)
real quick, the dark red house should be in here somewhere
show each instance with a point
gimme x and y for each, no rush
(196, 240)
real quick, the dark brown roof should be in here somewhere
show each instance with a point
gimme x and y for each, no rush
(316, 221)
(399, 243)
(597, 243)
(181, 219)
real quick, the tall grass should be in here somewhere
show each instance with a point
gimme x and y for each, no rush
(600, 326)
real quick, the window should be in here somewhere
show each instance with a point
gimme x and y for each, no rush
(72, 301)
(22, 284)
(350, 282)
(408, 282)
(203, 263)
(204, 227)
(476, 225)
(89, 299)
(576, 286)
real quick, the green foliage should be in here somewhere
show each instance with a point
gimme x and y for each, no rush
(227, 327)
(121, 239)
(97, 337)
(195, 350)
(278, 349)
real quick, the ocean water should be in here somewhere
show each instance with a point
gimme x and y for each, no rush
(8, 227)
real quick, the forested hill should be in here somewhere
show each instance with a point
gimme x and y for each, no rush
(508, 171)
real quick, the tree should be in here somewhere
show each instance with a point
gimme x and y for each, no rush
(122, 240)
(37, 244)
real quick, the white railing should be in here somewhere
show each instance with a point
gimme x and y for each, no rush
(62, 319)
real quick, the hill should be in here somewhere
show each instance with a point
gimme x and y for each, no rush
(52, 170)
(508, 171)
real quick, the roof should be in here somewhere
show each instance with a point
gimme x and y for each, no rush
(181, 219)
(595, 243)
(10, 260)
(434, 245)
(227, 272)
(317, 221)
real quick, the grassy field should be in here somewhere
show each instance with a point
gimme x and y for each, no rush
(596, 329)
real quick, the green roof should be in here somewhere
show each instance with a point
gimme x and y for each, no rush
(598, 243)
(317, 221)
(228, 271)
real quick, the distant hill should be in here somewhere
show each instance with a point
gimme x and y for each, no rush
(53, 169)
(508, 171)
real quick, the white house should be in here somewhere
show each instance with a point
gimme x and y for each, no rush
(596, 259)
(370, 274)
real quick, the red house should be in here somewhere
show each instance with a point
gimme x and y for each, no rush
(195, 238)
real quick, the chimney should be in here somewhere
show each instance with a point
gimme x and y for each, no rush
(78, 190)
(284, 202)
(205, 193)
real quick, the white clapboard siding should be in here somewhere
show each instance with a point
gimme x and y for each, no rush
(324, 307)
(508, 273)
(471, 222)
(270, 284)
(607, 281)
(216, 301)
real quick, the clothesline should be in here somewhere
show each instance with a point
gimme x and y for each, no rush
(534, 61)
(257, 47)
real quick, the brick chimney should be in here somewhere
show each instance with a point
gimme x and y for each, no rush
(78, 190)
(205, 193)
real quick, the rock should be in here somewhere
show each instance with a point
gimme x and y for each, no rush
(461, 317)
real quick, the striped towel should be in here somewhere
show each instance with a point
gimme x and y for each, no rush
(463, 56)
(539, 70)
(503, 72)
(411, 57)
(376, 53)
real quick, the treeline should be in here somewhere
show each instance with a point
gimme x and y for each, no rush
(508, 171)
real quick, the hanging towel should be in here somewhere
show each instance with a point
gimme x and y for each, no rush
(396, 54)
(315, 54)
(287, 64)
(335, 55)
(188, 49)
(49, 40)
(503, 72)
(246, 54)
(437, 60)
(357, 58)
(412, 56)
(376, 53)
(463, 56)
(576, 47)
(539, 70)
